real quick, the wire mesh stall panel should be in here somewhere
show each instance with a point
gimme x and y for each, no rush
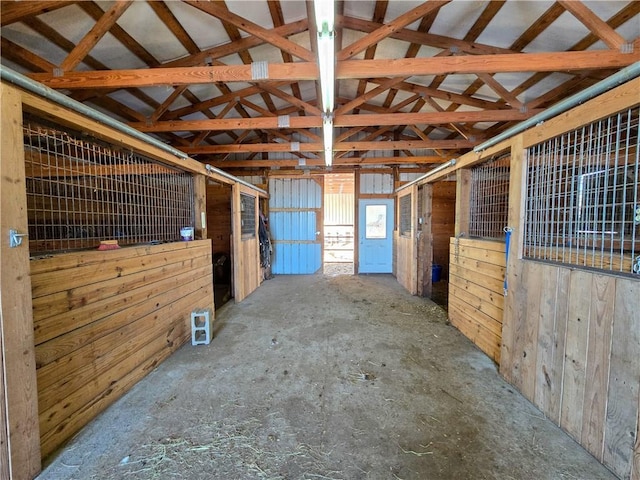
(81, 191)
(583, 198)
(489, 199)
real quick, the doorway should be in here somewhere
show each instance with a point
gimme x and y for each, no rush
(339, 224)
(375, 236)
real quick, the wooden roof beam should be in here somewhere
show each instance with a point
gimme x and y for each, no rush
(168, 18)
(349, 69)
(369, 95)
(389, 28)
(379, 13)
(219, 11)
(595, 24)
(312, 162)
(338, 147)
(275, 9)
(235, 47)
(421, 38)
(16, 11)
(360, 120)
(99, 30)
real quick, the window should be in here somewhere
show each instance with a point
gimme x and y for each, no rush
(489, 199)
(583, 196)
(248, 215)
(405, 216)
(376, 221)
(81, 190)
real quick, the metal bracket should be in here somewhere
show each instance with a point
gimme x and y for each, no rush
(15, 238)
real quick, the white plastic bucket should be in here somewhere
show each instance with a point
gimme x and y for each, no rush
(186, 233)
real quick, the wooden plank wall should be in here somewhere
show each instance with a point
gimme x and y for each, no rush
(219, 217)
(443, 205)
(405, 247)
(575, 353)
(19, 439)
(246, 251)
(476, 293)
(104, 319)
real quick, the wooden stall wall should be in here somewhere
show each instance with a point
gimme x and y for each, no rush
(19, 439)
(573, 349)
(443, 206)
(405, 245)
(104, 319)
(219, 217)
(247, 273)
(571, 336)
(476, 293)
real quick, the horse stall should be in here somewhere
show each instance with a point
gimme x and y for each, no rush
(426, 222)
(108, 260)
(234, 208)
(545, 268)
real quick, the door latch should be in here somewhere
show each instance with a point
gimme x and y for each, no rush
(15, 238)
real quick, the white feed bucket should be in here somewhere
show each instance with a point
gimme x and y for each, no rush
(186, 233)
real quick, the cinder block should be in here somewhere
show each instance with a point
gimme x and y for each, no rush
(200, 327)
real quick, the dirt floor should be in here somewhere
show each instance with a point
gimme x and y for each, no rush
(325, 377)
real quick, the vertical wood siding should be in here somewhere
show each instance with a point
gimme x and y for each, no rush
(476, 293)
(575, 353)
(104, 319)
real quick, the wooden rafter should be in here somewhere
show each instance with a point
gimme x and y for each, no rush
(389, 28)
(271, 121)
(269, 36)
(413, 160)
(257, 113)
(549, 61)
(18, 11)
(338, 147)
(102, 26)
(596, 25)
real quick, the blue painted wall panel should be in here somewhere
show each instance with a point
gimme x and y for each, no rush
(293, 229)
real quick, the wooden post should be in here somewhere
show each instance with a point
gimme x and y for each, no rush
(463, 201)
(200, 206)
(514, 316)
(20, 392)
(425, 243)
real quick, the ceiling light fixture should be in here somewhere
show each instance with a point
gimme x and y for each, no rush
(327, 134)
(325, 24)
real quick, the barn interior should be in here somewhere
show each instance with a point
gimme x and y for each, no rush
(165, 162)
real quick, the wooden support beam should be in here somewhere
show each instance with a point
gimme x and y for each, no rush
(389, 28)
(349, 69)
(390, 119)
(595, 24)
(369, 95)
(219, 11)
(102, 26)
(167, 103)
(235, 47)
(20, 406)
(15, 11)
(423, 38)
(319, 162)
(339, 147)
(22, 56)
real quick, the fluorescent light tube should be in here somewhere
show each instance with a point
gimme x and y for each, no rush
(327, 134)
(326, 66)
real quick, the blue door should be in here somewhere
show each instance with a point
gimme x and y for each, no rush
(375, 236)
(295, 224)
